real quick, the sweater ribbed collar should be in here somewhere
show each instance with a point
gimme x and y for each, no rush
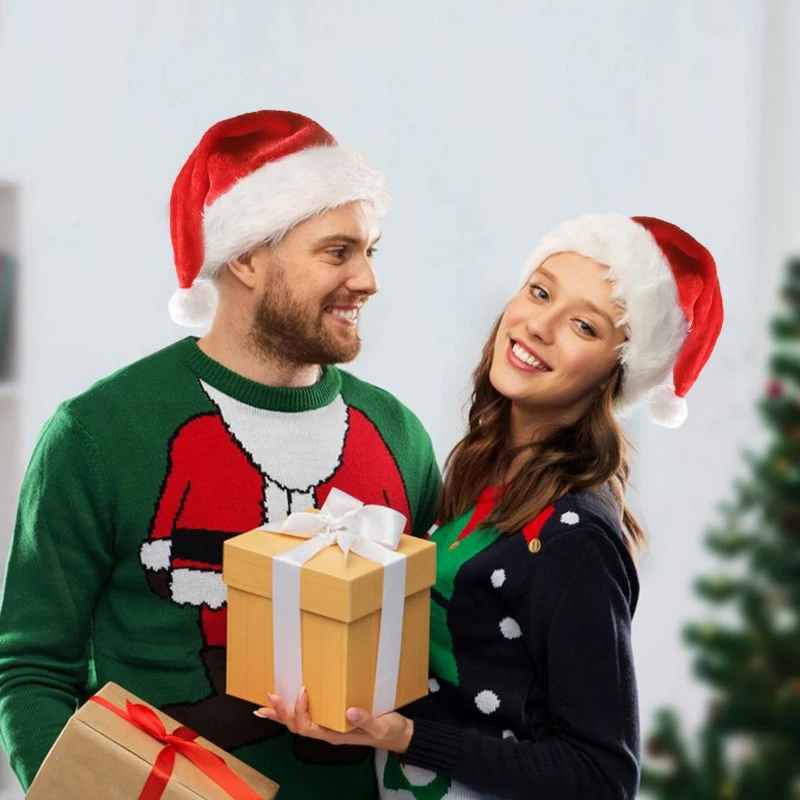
(272, 398)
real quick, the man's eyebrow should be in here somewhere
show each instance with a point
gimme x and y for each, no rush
(341, 238)
(337, 238)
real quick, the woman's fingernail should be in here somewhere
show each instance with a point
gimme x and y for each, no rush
(353, 714)
(271, 699)
(301, 692)
(260, 713)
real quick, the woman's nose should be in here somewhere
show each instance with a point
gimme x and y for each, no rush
(541, 326)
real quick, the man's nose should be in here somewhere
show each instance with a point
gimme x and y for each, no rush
(363, 279)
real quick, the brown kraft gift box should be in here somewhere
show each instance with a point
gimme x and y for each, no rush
(340, 622)
(100, 755)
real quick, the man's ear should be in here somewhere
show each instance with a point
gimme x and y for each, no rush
(243, 269)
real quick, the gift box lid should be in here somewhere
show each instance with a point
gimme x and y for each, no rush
(102, 726)
(328, 586)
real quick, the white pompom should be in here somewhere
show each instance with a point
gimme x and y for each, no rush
(194, 307)
(666, 408)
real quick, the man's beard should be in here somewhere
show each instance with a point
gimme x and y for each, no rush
(284, 330)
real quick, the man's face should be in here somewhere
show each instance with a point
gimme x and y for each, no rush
(313, 284)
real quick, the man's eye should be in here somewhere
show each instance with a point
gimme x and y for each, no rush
(338, 252)
(371, 252)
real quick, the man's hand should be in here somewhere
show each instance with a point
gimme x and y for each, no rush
(390, 731)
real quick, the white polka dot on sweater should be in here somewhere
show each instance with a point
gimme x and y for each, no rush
(417, 776)
(510, 628)
(487, 701)
(507, 734)
(433, 685)
(498, 578)
(570, 518)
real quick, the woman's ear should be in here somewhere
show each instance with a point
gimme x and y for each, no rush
(614, 377)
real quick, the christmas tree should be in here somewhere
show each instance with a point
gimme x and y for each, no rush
(748, 747)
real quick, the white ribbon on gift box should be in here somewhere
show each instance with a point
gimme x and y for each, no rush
(374, 533)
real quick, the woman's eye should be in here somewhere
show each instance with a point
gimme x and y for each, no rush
(539, 292)
(587, 329)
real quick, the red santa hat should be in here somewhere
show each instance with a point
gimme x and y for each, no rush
(667, 282)
(249, 180)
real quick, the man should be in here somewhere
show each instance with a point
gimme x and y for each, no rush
(115, 566)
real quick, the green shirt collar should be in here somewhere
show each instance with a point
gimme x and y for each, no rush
(272, 398)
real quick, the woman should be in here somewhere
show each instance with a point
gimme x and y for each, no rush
(533, 692)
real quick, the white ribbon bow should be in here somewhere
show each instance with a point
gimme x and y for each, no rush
(374, 533)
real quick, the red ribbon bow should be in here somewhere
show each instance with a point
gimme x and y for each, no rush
(181, 740)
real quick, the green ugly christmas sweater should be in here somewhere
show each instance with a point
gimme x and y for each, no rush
(114, 572)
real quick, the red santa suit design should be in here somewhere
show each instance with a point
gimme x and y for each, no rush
(241, 467)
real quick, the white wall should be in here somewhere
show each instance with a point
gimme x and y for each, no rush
(493, 120)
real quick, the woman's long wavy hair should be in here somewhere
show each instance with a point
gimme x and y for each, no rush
(585, 456)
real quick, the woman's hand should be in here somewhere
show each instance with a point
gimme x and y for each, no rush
(388, 732)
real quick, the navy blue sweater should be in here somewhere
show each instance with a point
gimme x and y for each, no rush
(533, 691)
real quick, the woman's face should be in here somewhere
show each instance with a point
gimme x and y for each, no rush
(558, 340)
